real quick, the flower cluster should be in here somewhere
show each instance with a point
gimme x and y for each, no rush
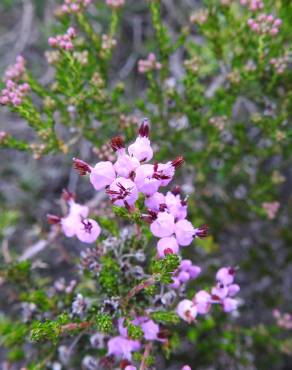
(13, 93)
(253, 5)
(280, 64)
(200, 16)
(222, 293)
(63, 41)
(225, 2)
(115, 4)
(265, 24)
(193, 64)
(130, 175)
(186, 272)
(74, 6)
(167, 214)
(107, 42)
(15, 71)
(131, 367)
(122, 346)
(81, 57)
(284, 320)
(149, 64)
(76, 223)
(271, 209)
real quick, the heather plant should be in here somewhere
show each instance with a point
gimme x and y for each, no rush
(145, 275)
(128, 295)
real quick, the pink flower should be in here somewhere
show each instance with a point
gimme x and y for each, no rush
(150, 329)
(16, 71)
(186, 367)
(102, 175)
(229, 304)
(220, 291)
(165, 172)
(202, 301)
(146, 183)
(155, 201)
(13, 93)
(115, 4)
(176, 206)
(194, 271)
(185, 272)
(71, 222)
(122, 329)
(69, 225)
(125, 165)
(88, 231)
(225, 275)
(175, 283)
(271, 209)
(123, 192)
(184, 232)
(121, 347)
(74, 6)
(130, 367)
(183, 276)
(163, 225)
(186, 310)
(185, 264)
(63, 41)
(167, 245)
(78, 210)
(149, 64)
(141, 149)
(233, 289)
(265, 24)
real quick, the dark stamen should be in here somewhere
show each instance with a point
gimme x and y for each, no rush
(87, 226)
(144, 128)
(82, 167)
(67, 195)
(53, 219)
(168, 251)
(202, 231)
(178, 161)
(117, 143)
(176, 190)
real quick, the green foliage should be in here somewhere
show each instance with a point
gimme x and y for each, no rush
(165, 267)
(18, 272)
(16, 354)
(104, 323)
(109, 275)
(165, 317)
(12, 333)
(134, 331)
(47, 330)
(39, 298)
(7, 218)
(134, 217)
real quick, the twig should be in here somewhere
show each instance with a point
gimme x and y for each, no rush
(75, 326)
(146, 354)
(39, 246)
(145, 284)
(5, 251)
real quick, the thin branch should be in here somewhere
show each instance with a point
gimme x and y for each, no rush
(146, 354)
(39, 246)
(145, 284)
(75, 326)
